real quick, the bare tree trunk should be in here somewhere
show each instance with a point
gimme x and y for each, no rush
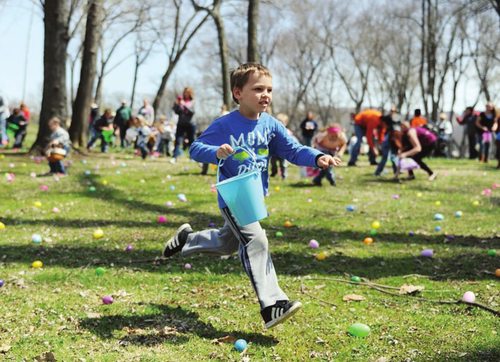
(253, 18)
(134, 83)
(54, 64)
(81, 108)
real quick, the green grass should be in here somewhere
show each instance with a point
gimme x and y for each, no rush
(163, 312)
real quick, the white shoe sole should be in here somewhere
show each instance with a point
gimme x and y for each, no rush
(284, 316)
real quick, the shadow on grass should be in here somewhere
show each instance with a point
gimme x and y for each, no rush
(168, 325)
(297, 263)
(488, 354)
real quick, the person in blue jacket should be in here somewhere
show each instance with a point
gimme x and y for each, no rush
(253, 129)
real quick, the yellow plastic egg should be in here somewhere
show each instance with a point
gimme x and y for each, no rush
(287, 224)
(277, 188)
(475, 203)
(98, 233)
(37, 204)
(321, 256)
(437, 203)
(2, 226)
(375, 225)
(104, 182)
(37, 264)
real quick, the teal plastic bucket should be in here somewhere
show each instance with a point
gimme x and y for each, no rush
(243, 194)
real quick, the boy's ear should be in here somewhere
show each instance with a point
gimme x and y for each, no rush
(237, 93)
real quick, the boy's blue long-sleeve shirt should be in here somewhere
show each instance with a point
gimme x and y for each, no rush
(265, 137)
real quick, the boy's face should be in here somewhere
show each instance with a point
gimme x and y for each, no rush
(255, 96)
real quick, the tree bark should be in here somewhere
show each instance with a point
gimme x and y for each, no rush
(253, 18)
(54, 59)
(81, 107)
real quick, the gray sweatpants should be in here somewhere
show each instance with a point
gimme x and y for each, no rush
(251, 241)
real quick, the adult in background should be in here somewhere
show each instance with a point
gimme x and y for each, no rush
(4, 114)
(417, 143)
(184, 108)
(418, 120)
(366, 123)
(121, 121)
(486, 123)
(104, 123)
(148, 112)
(468, 120)
(308, 128)
(445, 136)
(392, 122)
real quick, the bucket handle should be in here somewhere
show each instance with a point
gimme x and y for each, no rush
(246, 149)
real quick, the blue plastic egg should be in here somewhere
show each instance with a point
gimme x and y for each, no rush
(240, 345)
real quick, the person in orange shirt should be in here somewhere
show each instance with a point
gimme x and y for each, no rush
(366, 123)
(418, 120)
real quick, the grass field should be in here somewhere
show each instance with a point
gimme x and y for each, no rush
(165, 312)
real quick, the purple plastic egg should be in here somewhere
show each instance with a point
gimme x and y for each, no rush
(427, 253)
(107, 299)
(313, 244)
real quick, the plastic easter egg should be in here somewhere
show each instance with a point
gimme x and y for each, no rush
(309, 200)
(438, 217)
(37, 204)
(350, 208)
(188, 266)
(368, 241)
(469, 297)
(162, 219)
(321, 256)
(129, 248)
(37, 264)
(104, 182)
(287, 224)
(99, 271)
(33, 174)
(172, 187)
(169, 204)
(98, 233)
(240, 345)
(36, 238)
(182, 198)
(427, 253)
(2, 226)
(497, 273)
(107, 299)
(411, 233)
(395, 197)
(1, 283)
(458, 214)
(87, 172)
(437, 228)
(44, 188)
(313, 244)
(419, 194)
(211, 224)
(373, 232)
(359, 330)
(492, 252)
(55, 210)
(475, 203)
(277, 189)
(437, 203)
(279, 234)
(375, 224)
(355, 279)
(92, 189)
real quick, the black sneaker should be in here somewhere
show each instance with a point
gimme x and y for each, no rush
(333, 183)
(279, 312)
(175, 244)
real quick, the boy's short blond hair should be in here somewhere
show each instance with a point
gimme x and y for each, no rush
(240, 75)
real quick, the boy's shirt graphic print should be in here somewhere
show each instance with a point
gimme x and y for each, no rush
(264, 137)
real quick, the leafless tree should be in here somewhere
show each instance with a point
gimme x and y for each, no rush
(253, 22)
(183, 33)
(58, 17)
(83, 99)
(214, 10)
(121, 19)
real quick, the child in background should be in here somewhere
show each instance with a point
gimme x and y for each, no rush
(275, 160)
(58, 148)
(143, 134)
(254, 129)
(103, 124)
(166, 134)
(486, 123)
(332, 141)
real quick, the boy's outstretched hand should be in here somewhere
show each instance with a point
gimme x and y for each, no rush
(224, 151)
(326, 160)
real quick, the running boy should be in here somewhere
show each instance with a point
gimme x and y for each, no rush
(250, 127)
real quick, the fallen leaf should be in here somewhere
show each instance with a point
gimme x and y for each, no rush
(353, 297)
(225, 339)
(46, 357)
(410, 289)
(5, 348)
